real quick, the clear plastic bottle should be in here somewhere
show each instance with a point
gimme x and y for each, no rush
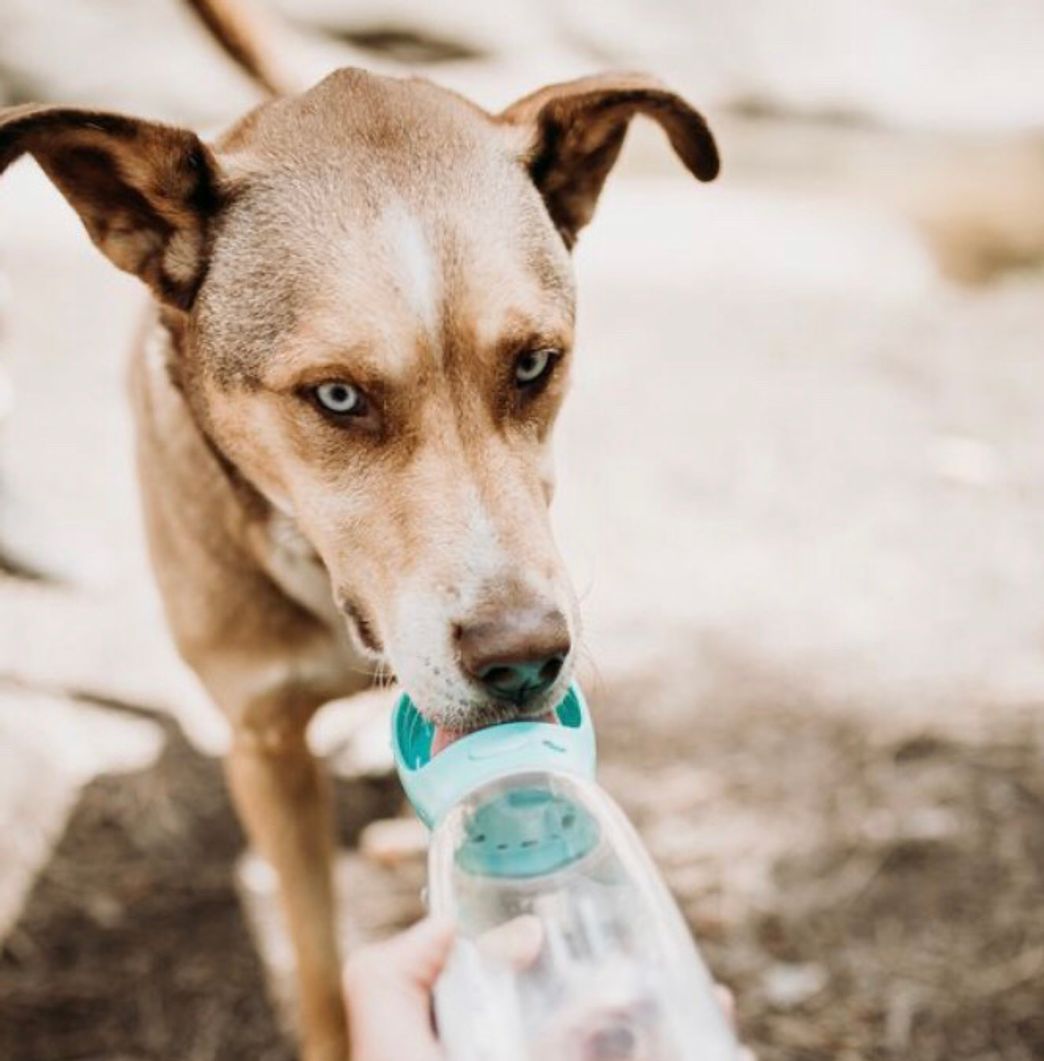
(569, 944)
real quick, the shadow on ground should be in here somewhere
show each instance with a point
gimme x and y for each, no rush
(871, 894)
(133, 942)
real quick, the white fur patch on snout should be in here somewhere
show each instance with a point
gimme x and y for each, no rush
(414, 266)
(483, 558)
(476, 561)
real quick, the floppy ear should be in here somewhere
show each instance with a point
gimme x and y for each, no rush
(145, 192)
(575, 131)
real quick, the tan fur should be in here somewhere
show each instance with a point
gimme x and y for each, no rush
(393, 235)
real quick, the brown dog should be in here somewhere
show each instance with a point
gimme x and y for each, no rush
(362, 338)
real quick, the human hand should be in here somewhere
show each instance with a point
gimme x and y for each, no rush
(389, 991)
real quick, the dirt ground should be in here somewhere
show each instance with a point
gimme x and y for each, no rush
(900, 914)
(133, 942)
(900, 920)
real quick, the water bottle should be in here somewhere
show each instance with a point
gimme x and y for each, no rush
(569, 945)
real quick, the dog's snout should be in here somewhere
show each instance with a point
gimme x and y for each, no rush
(516, 656)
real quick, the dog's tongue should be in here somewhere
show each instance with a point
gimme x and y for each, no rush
(444, 737)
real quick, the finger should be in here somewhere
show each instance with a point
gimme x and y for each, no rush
(421, 951)
(388, 987)
(727, 1001)
(516, 943)
(418, 954)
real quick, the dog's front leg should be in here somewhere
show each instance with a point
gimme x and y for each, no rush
(283, 800)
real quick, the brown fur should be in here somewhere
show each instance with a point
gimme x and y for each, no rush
(391, 234)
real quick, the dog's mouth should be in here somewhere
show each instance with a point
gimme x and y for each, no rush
(443, 736)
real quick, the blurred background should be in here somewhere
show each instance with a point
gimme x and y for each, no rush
(801, 491)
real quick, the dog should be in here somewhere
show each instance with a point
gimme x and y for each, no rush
(344, 402)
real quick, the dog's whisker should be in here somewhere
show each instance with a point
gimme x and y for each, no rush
(584, 655)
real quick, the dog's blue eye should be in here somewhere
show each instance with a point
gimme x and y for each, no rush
(340, 398)
(532, 365)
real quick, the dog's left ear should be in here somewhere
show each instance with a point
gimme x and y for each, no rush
(145, 192)
(574, 131)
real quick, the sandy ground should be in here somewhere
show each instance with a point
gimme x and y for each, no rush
(802, 493)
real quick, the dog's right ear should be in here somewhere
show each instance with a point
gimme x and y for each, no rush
(573, 132)
(145, 192)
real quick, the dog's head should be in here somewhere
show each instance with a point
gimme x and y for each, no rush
(373, 287)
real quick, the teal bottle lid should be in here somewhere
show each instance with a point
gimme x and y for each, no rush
(434, 785)
(529, 830)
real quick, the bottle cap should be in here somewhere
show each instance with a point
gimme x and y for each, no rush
(434, 785)
(530, 829)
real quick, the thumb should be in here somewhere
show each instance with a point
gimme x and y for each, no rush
(388, 989)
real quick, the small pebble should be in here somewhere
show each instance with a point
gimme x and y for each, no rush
(788, 984)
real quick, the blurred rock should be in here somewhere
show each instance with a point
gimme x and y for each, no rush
(788, 985)
(925, 824)
(903, 1004)
(975, 197)
(107, 646)
(920, 63)
(49, 748)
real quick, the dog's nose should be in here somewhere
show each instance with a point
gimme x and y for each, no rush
(516, 656)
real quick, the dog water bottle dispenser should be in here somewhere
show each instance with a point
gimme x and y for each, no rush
(569, 945)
